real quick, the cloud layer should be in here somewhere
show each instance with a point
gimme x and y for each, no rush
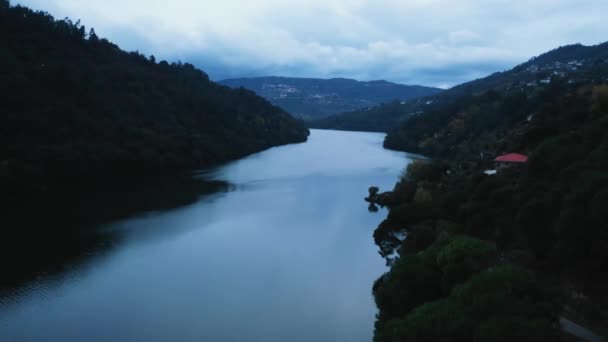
(430, 42)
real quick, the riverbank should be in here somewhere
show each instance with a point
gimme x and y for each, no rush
(539, 222)
(468, 237)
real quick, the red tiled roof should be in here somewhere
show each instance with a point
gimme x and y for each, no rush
(512, 158)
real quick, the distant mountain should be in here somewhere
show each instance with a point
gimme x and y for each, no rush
(311, 98)
(572, 64)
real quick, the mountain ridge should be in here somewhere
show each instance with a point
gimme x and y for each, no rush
(549, 73)
(310, 98)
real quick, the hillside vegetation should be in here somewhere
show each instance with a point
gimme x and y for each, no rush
(572, 64)
(381, 118)
(77, 110)
(502, 257)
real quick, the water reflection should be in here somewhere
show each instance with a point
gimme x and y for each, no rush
(286, 255)
(50, 237)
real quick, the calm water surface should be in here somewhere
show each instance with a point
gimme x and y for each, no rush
(286, 255)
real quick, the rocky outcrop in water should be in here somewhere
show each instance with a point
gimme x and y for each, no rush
(384, 199)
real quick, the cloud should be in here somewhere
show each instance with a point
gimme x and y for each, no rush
(432, 42)
(461, 37)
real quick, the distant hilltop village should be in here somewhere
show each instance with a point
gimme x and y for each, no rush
(284, 91)
(574, 71)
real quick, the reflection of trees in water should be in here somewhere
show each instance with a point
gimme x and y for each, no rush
(49, 236)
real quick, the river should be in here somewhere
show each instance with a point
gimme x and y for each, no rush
(286, 254)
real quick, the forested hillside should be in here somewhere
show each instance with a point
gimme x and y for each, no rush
(572, 64)
(313, 98)
(77, 110)
(506, 256)
(381, 118)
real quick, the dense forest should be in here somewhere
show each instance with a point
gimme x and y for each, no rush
(509, 255)
(77, 111)
(313, 98)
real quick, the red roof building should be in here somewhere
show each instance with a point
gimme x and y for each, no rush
(509, 160)
(512, 158)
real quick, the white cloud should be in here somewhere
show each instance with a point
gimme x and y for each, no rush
(435, 42)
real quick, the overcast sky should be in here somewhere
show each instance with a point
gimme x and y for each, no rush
(430, 42)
